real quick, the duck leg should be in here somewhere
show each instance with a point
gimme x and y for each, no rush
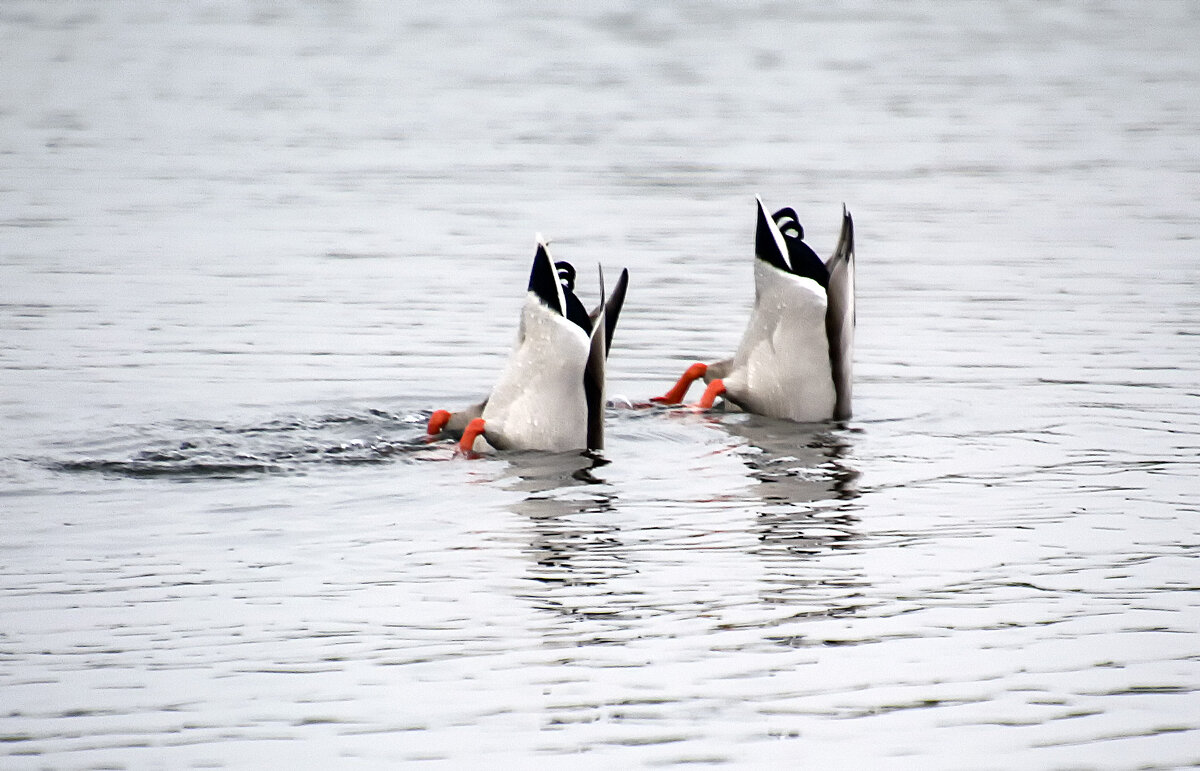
(437, 421)
(715, 388)
(470, 434)
(680, 389)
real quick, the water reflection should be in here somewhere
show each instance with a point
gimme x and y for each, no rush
(607, 573)
(804, 491)
(541, 472)
(812, 461)
(799, 470)
(561, 486)
(575, 547)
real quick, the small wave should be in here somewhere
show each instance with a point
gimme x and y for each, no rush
(286, 445)
(151, 468)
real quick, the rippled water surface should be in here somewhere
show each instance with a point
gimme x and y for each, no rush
(245, 248)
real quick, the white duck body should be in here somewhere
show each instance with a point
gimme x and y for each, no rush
(538, 403)
(795, 360)
(550, 393)
(782, 367)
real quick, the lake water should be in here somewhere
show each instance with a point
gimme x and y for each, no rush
(245, 248)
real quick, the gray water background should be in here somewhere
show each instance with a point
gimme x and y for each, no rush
(246, 247)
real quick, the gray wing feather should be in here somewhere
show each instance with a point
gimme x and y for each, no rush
(611, 308)
(839, 317)
(593, 374)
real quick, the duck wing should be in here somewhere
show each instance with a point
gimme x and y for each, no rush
(594, 372)
(839, 318)
(611, 308)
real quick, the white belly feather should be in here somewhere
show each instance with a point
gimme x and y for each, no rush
(782, 367)
(538, 402)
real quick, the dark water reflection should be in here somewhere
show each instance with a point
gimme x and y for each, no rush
(806, 489)
(586, 565)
